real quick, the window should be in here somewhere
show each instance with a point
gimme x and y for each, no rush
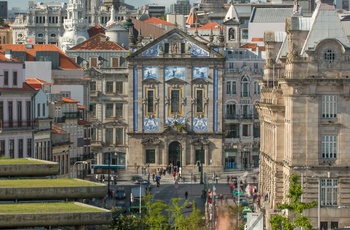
(200, 104)
(244, 34)
(93, 86)
(28, 112)
(150, 101)
(256, 66)
(200, 154)
(19, 113)
(232, 131)
(1, 110)
(175, 101)
(119, 110)
(231, 65)
(150, 156)
(115, 62)
(93, 62)
(231, 87)
(109, 110)
(20, 148)
(6, 78)
(231, 109)
(119, 87)
(329, 192)
(10, 113)
(109, 87)
(12, 148)
(245, 84)
(231, 34)
(92, 109)
(245, 130)
(329, 106)
(44, 111)
(119, 136)
(329, 56)
(256, 88)
(256, 130)
(109, 136)
(53, 35)
(329, 146)
(2, 148)
(245, 111)
(14, 79)
(38, 106)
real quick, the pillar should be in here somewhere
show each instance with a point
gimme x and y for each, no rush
(192, 155)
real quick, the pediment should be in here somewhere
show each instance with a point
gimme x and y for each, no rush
(151, 81)
(199, 81)
(175, 81)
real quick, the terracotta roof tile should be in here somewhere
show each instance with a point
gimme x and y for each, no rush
(57, 130)
(37, 83)
(68, 100)
(97, 29)
(25, 87)
(65, 61)
(83, 122)
(192, 18)
(97, 42)
(4, 59)
(82, 107)
(208, 26)
(257, 39)
(158, 21)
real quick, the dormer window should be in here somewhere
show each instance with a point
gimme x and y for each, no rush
(329, 56)
(53, 35)
(40, 35)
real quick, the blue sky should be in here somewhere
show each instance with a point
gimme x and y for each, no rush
(24, 3)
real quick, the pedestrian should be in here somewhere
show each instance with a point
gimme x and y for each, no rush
(228, 179)
(216, 179)
(195, 178)
(186, 195)
(221, 197)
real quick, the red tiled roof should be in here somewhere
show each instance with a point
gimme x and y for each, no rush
(4, 59)
(251, 46)
(97, 42)
(57, 130)
(82, 107)
(97, 29)
(208, 26)
(65, 61)
(257, 39)
(158, 21)
(25, 87)
(37, 83)
(83, 122)
(68, 100)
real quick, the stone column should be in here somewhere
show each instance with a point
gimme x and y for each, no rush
(206, 149)
(193, 155)
(183, 156)
(166, 152)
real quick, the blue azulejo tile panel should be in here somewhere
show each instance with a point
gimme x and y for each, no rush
(151, 52)
(200, 72)
(175, 72)
(200, 124)
(150, 72)
(151, 124)
(171, 120)
(196, 51)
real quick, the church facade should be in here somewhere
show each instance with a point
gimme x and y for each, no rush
(175, 108)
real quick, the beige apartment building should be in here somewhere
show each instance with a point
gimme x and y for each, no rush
(304, 117)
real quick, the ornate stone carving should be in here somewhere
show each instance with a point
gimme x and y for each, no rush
(150, 141)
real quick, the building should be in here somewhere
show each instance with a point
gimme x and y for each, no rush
(304, 117)
(180, 7)
(3, 9)
(174, 104)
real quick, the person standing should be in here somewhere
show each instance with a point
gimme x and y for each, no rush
(186, 195)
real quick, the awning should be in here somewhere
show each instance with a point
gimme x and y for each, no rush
(109, 166)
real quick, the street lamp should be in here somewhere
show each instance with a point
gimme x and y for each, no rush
(78, 162)
(109, 168)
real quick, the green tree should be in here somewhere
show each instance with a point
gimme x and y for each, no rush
(296, 206)
(181, 222)
(155, 218)
(125, 222)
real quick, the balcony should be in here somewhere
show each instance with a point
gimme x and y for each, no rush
(18, 125)
(231, 116)
(247, 116)
(71, 115)
(245, 94)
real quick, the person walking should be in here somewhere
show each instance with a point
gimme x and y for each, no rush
(186, 195)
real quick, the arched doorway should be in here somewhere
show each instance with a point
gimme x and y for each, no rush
(175, 153)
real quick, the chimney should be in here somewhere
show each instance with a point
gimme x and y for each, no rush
(8, 54)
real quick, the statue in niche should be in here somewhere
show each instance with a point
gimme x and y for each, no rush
(231, 34)
(174, 48)
(160, 49)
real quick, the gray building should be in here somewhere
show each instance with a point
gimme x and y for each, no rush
(3, 9)
(181, 7)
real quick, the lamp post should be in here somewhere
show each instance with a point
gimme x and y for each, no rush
(75, 163)
(109, 168)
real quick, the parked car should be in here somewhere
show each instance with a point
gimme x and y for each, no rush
(120, 193)
(137, 179)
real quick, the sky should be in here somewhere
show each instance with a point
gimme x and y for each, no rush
(23, 4)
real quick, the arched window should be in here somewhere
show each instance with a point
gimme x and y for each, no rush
(256, 87)
(231, 34)
(245, 86)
